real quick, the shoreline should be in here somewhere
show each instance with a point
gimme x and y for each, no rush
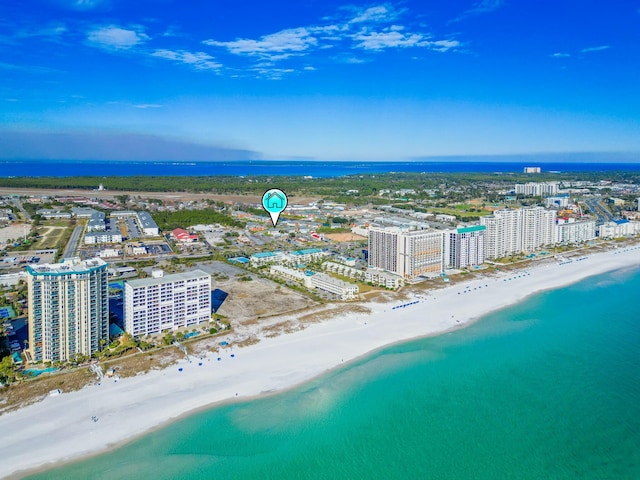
(136, 406)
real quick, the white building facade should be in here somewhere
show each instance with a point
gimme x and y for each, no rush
(466, 246)
(153, 305)
(511, 232)
(537, 189)
(68, 309)
(572, 232)
(409, 254)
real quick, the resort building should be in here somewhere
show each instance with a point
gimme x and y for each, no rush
(538, 228)
(409, 254)
(68, 309)
(572, 232)
(321, 281)
(265, 258)
(514, 231)
(307, 255)
(374, 276)
(466, 246)
(618, 229)
(152, 305)
(383, 248)
(344, 290)
(292, 274)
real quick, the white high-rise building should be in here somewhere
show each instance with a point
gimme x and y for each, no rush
(571, 232)
(511, 232)
(538, 228)
(383, 248)
(409, 254)
(68, 309)
(534, 189)
(466, 246)
(152, 305)
(504, 233)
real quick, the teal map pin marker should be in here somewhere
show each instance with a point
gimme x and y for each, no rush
(274, 201)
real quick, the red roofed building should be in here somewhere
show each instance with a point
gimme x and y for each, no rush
(183, 236)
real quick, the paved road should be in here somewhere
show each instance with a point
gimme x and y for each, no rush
(600, 210)
(73, 242)
(18, 204)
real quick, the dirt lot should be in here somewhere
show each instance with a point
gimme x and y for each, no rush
(12, 232)
(258, 298)
(344, 237)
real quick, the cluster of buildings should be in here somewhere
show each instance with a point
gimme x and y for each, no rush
(103, 229)
(414, 253)
(411, 254)
(315, 280)
(69, 306)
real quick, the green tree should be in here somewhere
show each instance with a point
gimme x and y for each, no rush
(168, 338)
(7, 370)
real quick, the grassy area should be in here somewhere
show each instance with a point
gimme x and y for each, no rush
(48, 237)
(31, 391)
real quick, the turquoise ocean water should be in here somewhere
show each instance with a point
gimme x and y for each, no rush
(547, 389)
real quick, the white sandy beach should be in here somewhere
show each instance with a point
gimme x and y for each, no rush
(60, 428)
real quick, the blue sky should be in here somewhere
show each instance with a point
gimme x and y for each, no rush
(311, 79)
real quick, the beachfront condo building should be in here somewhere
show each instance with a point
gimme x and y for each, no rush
(408, 253)
(383, 248)
(68, 309)
(538, 228)
(515, 231)
(465, 247)
(574, 232)
(153, 305)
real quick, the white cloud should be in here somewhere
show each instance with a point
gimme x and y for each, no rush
(285, 43)
(147, 105)
(372, 29)
(595, 49)
(560, 55)
(113, 37)
(442, 45)
(380, 13)
(198, 60)
(394, 38)
(391, 39)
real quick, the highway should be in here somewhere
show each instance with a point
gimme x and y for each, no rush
(601, 212)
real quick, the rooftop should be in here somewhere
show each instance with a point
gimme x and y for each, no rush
(67, 266)
(175, 277)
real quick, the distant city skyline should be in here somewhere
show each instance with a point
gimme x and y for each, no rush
(312, 80)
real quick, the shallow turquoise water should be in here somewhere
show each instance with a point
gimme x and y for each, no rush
(547, 389)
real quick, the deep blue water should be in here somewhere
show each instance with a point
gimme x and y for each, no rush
(33, 168)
